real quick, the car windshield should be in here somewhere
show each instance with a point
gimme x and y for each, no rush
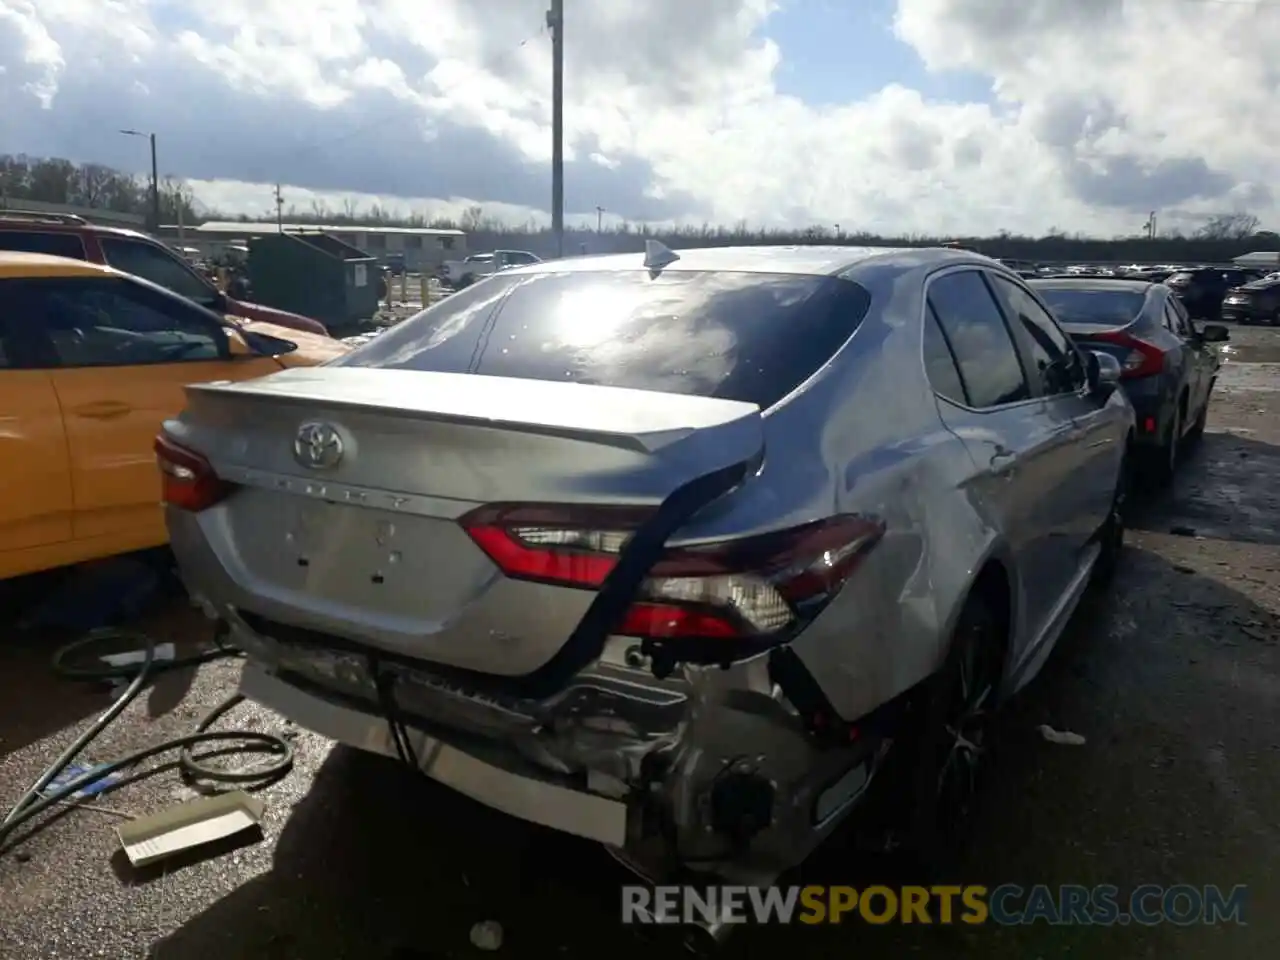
(1110, 308)
(740, 336)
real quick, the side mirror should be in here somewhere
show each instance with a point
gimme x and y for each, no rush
(248, 343)
(1215, 333)
(1104, 374)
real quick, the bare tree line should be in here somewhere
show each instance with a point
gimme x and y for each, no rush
(56, 180)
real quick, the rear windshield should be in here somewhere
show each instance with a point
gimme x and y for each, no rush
(1110, 308)
(737, 336)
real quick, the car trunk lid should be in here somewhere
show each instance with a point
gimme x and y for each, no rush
(362, 538)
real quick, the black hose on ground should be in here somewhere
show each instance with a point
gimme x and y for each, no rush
(38, 798)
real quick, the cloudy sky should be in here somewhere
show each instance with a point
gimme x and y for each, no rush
(938, 116)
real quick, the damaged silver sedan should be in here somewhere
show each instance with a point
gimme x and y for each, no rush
(667, 551)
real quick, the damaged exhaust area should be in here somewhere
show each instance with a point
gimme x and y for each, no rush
(668, 751)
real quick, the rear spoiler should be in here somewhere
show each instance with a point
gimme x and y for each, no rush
(640, 420)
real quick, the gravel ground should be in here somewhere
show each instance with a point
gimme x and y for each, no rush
(1172, 679)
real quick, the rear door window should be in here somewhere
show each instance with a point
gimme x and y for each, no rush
(152, 262)
(975, 328)
(752, 337)
(1176, 322)
(1053, 357)
(43, 241)
(940, 363)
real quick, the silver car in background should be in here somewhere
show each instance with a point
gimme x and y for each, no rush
(666, 551)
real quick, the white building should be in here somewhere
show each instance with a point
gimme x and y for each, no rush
(422, 248)
(1262, 258)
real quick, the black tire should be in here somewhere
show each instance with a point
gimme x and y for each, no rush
(1111, 537)
(1202, 418)
(1162, 463)
(465, 282)
(949, 733)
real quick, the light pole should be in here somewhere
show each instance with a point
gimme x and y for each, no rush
(155, 177)
(555, 24)
(599, 218)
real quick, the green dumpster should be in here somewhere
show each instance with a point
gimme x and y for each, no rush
(314, 274)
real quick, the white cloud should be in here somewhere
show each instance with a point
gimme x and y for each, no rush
(1105, 109)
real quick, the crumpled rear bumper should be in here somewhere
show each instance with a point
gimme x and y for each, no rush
(714, 773)
(551, 805)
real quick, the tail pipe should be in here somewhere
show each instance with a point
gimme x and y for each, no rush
(699, 937)
(703, 938)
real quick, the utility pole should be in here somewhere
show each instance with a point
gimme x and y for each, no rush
(155, 186)
(279, 210)
(555, 24)
(599, 218)
(155, 177)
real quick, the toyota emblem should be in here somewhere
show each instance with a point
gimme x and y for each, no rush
(318, 446)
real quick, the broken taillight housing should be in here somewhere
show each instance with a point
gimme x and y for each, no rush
(187, 480)
(747, 588)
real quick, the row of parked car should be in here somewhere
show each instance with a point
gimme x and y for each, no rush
(1239, 294)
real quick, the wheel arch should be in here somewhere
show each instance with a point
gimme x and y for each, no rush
(993, 577)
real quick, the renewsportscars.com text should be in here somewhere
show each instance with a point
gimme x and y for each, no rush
(1005, 905)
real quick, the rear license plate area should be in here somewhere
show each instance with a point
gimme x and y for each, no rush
(411, 568)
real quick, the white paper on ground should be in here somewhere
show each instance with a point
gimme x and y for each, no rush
(175, 829)
(164, 651)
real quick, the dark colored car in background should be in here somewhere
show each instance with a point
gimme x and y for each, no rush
(1255, 302)
(67, 235)
(1202, 289)
(1167, 366)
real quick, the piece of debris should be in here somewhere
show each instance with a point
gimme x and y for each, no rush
(1062, 737)
(77, 770)
(486, 935)
(1183, 568)
(1183, 531)
(178, 829)
(129, 658)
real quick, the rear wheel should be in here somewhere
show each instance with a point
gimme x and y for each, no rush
(1111, 538)
(1197, 428)
(951, 738)
(1164, 459)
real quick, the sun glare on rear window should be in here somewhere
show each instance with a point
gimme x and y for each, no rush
(751, 337)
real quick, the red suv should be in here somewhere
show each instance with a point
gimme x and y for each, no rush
(66, 235)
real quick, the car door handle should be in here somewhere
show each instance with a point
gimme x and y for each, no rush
(102, 410)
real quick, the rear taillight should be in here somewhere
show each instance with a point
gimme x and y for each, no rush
(749, 588)
(188, 481)
(1142, 359)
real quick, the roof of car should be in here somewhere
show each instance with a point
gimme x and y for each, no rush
(34, 221)
(812, 260)
(16, 264)
(1093, 283)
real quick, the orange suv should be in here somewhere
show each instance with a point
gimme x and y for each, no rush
(67, 235)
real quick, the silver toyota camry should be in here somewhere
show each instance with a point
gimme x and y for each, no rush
(673, 551)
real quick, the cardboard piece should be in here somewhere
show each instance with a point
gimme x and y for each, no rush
(129, 658)
(177, 829)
